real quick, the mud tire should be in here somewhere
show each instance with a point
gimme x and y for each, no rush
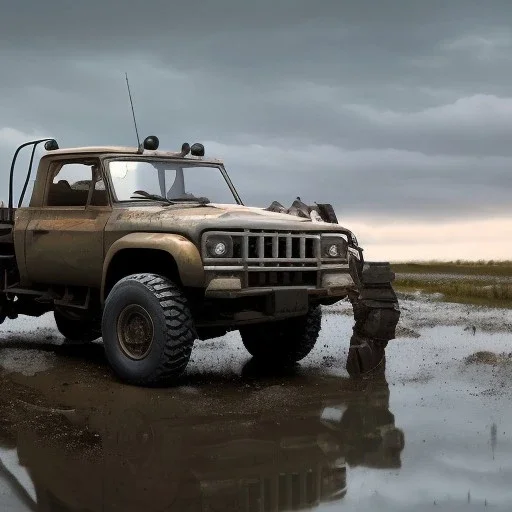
(172, 330)
(76, 329)
(285, 341)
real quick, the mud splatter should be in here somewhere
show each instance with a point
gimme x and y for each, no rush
(489, 358)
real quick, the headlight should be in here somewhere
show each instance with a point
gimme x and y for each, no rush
(334, 248)
(219, 247)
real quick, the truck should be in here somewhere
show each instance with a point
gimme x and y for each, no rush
(153, 250)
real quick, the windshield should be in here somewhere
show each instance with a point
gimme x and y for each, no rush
(169, 181)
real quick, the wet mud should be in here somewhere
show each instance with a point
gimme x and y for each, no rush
(491, 358)
(431, 431)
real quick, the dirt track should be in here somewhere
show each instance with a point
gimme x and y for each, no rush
(434, 431)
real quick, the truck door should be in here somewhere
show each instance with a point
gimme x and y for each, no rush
(64, 237)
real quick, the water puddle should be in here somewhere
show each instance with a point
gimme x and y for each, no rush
(432, 434)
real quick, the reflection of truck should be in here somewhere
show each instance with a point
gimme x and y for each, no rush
(160, 454)
(123, 243)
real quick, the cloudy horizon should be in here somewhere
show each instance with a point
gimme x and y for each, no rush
(400, 116)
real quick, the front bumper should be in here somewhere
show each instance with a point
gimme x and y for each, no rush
(228, 304)
(332, 284)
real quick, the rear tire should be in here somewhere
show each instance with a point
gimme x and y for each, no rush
(285, 341)
(148, 330)
(75, 328)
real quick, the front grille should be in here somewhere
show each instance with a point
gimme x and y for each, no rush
(271, 249)
(282, 247)
(273, 258)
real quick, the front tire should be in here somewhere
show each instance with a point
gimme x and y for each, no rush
(285, 341)
(148, 331)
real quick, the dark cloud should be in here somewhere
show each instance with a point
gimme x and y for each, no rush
(388, 109)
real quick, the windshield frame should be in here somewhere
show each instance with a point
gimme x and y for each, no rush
(184, 161)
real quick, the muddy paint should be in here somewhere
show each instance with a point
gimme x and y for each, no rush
(433, 433)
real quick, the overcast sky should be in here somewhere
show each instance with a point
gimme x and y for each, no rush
(399, 113)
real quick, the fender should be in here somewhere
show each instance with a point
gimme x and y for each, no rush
(182, 250)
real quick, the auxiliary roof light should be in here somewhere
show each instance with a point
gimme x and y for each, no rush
(51, 145)
(197, 149)
(151, 143)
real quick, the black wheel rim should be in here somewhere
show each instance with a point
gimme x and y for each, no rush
(135, 331)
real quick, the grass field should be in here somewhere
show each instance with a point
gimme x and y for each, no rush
(478, 282)
(481, 268)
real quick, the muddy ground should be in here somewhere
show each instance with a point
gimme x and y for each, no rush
(432, 433)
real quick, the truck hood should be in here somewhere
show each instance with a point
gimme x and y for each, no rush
(191, 220)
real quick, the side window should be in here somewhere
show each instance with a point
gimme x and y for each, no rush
(71, 183)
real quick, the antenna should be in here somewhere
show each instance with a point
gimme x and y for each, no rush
(133, 112)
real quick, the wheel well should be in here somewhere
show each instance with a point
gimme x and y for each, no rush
(135, 261)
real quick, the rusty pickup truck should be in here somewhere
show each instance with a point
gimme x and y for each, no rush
(151, 250)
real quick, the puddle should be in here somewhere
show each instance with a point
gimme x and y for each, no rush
(433, 434)
(267, 446)
(26, 362)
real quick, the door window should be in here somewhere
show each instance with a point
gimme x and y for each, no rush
(71, 183)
